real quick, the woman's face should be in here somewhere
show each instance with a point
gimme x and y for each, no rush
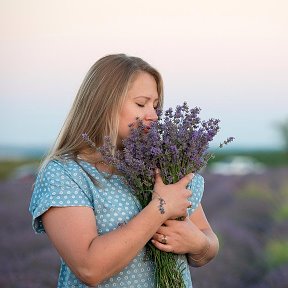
(141, 101)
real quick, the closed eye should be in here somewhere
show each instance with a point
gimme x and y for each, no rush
(140, 105)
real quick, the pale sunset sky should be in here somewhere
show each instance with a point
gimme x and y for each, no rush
(228, 57)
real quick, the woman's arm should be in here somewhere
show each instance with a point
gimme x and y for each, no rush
(94, 258)
(209, 247)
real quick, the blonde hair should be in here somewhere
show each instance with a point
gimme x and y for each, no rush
(96, 107)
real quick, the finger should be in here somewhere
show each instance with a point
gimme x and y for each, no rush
(187, 218)
(163, 239)
(162, 230)
(186, 179)
(189, 193)
(167, 223)
(158, 237)
(162, 247)
(158, 178)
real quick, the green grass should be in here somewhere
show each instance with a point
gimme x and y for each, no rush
(7, 167)
(277, 253)
(271, 158)
(281, 214)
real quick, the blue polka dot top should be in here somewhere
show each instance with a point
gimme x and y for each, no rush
(65, 183)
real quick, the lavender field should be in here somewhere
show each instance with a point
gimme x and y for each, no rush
(249, 213)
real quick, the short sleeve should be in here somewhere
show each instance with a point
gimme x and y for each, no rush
(56, 186)
(197, 188)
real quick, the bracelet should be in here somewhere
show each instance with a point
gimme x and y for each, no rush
(203, 256)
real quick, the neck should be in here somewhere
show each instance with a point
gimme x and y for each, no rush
(97, 161)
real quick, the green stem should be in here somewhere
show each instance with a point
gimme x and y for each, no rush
(168, 273)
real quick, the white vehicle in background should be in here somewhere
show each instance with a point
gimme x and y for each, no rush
(237, 165)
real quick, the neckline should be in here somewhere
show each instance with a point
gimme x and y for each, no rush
(92, 167)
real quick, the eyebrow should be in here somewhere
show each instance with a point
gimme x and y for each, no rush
(146, 97)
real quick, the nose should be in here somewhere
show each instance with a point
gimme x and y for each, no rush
(151, 115)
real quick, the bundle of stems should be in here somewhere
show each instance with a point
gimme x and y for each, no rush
(168, 272)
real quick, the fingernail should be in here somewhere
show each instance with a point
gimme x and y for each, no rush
(191, 175)
(157, 171)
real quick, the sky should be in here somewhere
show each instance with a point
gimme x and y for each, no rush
(227, 57)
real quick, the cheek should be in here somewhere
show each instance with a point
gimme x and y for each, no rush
(124, 130)
(127, 116)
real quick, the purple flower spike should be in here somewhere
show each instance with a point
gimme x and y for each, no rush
(177, 143)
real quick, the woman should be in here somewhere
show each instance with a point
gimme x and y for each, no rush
(93, 220)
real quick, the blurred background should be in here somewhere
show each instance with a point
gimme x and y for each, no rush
(227, 57)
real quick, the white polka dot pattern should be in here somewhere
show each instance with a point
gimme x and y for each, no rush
(65, 183)
(197, 188)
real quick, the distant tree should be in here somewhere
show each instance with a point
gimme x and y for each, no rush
(283, 129)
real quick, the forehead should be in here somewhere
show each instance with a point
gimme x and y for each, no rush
(144, 85)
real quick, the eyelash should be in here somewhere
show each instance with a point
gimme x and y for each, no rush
(142, 106)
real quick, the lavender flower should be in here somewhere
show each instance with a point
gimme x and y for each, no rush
(228, 140)
(87, 139)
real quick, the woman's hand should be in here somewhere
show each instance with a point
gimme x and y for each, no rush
(172, 199)
(181, 237)
(193, 237)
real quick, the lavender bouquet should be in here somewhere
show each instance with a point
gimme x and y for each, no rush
(177, 144)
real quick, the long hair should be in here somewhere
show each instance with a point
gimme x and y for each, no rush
(95, 110)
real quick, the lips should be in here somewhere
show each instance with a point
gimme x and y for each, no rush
(146, 129)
